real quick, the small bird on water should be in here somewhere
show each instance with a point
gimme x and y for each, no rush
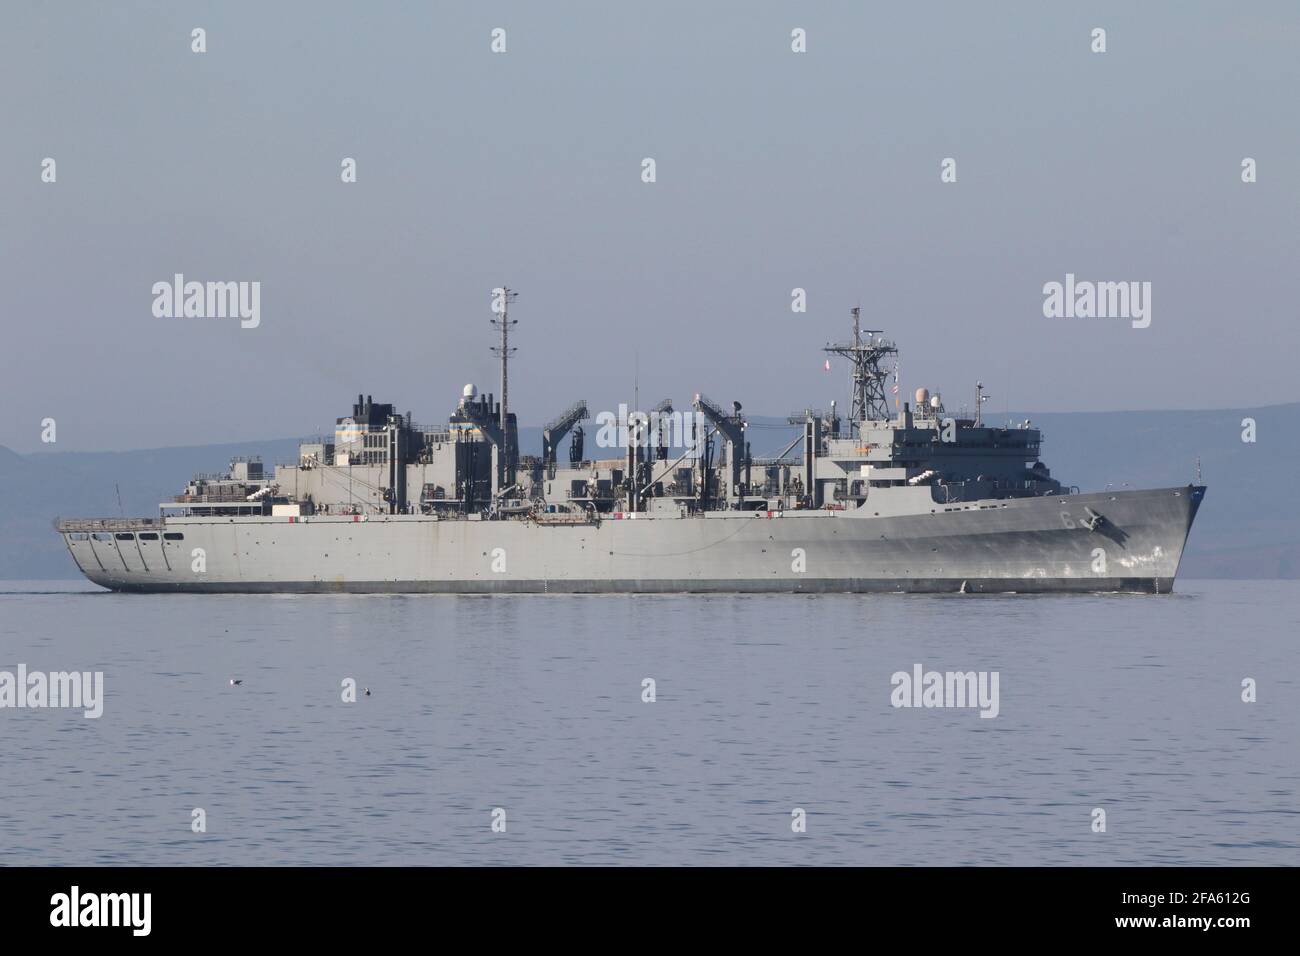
(235, 683)
(367, 691)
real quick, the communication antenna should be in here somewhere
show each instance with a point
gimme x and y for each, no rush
(980, 399)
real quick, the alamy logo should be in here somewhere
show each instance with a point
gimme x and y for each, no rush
(208, 300)
(1101, 300)
(628, 429)
(103, 909)
(56, 689)
(947, 689)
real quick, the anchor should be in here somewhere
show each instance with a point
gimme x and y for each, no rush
(1094, 520)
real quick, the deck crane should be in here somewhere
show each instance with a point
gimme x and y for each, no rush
(732, 429)
(554, 431)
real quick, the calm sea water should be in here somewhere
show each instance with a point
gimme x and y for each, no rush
(534, 704)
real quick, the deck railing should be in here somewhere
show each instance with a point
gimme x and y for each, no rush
(104, 524)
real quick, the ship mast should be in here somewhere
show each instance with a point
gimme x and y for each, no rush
(504, 351)
(868, 378)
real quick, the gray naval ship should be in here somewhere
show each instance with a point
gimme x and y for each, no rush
(916, 500)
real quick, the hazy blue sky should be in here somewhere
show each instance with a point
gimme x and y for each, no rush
(775, 170)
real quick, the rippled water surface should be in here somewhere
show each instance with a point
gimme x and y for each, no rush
(764, 703)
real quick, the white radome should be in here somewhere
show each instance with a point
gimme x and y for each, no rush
(469, 391)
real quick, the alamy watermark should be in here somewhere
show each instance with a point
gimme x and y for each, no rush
(38, 689)
(627, 429)
(923, 688)
(1084, 299)
(179, 299)
(75, 908)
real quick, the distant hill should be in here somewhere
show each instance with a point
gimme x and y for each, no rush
(1246, 527)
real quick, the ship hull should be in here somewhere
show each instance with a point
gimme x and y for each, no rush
(1025, 545)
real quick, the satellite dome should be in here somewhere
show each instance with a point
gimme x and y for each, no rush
(922, 396)
(934, 400)
(469, 391)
